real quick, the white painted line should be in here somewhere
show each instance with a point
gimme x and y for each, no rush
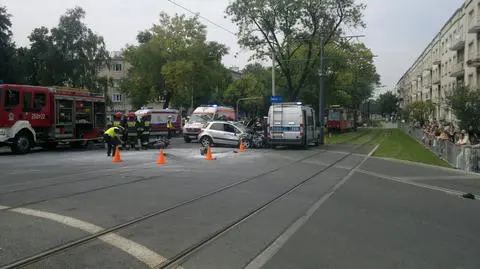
(71, 222)
(426, 165)
(3, 207)
(136, 250)
(144, 254)
(400, 180)
(441, 178)
(273, 248)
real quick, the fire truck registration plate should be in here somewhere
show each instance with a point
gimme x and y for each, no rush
(36, 116)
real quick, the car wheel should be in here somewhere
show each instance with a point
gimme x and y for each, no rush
(247, 143)
(187, 139)
(206, 141)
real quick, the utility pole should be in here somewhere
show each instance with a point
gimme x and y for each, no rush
(273, 73)
(321, 95)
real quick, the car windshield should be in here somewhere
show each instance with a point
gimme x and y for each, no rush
(240, 126)
(199, 118)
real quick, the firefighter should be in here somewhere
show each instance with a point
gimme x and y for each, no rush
(117, 119)
(132, 132)
(145, 123)
(112, 138)
(169, 127)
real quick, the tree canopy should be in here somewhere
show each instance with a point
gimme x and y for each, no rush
(465, 103)
(174, 61)
(388, 103)
(284, 27)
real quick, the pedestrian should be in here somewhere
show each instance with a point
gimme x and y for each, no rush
(169, 127)
(112, 138)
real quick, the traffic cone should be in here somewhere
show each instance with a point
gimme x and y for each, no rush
(242, 147)
(116, 156)
(209, 156)
(161, 158)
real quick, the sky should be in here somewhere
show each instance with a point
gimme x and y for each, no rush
(397, 31)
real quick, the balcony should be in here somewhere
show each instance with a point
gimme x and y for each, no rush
(436, 60)
(474, 25)
(458, 42)
(473, 59)
(458, 70)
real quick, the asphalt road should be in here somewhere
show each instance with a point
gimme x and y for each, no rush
(328, 207)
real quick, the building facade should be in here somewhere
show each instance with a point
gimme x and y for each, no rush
(115, 72)
(452, 59)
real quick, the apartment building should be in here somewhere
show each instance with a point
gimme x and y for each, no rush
(116, 71)
(451, 59)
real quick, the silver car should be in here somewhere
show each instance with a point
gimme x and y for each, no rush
(223, 133)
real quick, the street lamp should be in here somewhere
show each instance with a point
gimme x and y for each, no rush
(247, 98)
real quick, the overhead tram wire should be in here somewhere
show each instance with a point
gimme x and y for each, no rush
(202, 17)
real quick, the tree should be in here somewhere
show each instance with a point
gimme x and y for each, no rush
(7, 47)
(419, 111)
(69, 54)
(388, 103)
(465, 104)
(283, 27)
(247, 86)
(173, 60)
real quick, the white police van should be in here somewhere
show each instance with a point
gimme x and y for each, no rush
(292, 124)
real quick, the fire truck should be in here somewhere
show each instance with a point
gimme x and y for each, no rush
(47, 116)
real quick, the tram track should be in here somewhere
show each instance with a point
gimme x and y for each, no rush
(193, 248)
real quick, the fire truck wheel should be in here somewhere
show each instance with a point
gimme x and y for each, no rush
(22, 143)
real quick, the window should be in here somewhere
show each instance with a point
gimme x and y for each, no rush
(116, 97)
(12, 98)
(39, 101)
(27, 101)
(229, 128)
(117, 67)
(217, 127)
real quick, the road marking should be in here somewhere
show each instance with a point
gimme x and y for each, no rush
(273, 248)
(142, 253)
(441, 177)
(4, 207)
(400, 180)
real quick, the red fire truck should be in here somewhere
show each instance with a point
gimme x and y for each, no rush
(46, 116)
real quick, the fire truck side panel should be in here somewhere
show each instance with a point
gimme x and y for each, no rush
(48, 115)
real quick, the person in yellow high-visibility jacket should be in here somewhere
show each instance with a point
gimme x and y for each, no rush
(112, 138)
(169, 127)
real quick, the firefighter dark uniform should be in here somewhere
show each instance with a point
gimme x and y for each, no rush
(170, 129)
(111, 137)
(145, 124)
(132, 132)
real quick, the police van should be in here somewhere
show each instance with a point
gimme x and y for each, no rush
(292, 124)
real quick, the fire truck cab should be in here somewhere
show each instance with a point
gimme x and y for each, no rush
(46, 116)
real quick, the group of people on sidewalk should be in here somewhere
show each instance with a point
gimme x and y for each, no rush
(465, 144)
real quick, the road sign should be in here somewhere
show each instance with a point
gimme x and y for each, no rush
(276, 99)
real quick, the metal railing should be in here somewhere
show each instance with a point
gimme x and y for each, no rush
(465, 157)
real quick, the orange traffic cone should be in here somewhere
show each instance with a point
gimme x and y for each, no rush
(209, 156)
(116, 156)
(161, 158)
(242, 147)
